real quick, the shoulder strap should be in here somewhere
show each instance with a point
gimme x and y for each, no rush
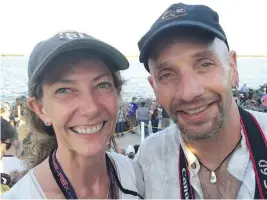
(257, 146)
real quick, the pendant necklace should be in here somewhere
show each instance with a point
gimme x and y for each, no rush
(213, 178)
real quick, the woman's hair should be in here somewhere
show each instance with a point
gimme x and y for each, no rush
(43, 139)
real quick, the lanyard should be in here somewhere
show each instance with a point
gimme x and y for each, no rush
(65, 185)
(257, 146)
(67, 189)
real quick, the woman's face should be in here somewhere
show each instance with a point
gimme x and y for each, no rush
(81, 105)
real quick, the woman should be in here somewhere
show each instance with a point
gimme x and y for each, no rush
(74, 87)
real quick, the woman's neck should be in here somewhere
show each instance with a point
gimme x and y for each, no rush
(88, 175)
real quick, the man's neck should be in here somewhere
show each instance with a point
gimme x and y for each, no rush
(88, 175)
(212, 152)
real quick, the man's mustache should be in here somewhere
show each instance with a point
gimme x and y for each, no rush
(180, 105)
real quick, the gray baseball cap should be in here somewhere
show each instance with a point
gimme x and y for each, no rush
(45, 51)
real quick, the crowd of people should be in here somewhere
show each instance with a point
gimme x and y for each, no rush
(252, 99)
(131, 114)
(215, 150)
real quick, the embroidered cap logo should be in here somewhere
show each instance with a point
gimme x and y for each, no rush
(173, 12)
(70, 35)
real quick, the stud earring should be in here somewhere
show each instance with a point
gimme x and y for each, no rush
(46, 123)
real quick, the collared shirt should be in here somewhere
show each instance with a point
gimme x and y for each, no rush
(159, 160)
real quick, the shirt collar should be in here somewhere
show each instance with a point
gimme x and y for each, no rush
(237, 165)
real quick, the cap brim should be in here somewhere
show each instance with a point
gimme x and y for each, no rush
(176, 24)
(117, 59)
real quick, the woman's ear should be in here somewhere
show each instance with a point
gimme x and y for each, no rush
(37, 107)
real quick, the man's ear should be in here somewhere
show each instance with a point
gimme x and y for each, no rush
(37, 107)
(234, 71)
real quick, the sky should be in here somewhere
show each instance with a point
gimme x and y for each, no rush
(122, 23)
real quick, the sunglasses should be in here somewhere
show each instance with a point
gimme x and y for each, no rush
(8, 145)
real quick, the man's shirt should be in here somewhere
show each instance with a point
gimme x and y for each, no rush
(159, 160)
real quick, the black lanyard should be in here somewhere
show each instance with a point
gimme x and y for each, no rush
(257, 146)
(66, 187)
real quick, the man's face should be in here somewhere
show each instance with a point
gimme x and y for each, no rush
(193, 80)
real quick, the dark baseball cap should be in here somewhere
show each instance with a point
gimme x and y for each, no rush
(45, 51)
(181, 16)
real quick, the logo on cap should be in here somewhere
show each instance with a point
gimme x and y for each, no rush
(174, 12)
(70, 35)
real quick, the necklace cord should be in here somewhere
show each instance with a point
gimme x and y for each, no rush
(224, 158)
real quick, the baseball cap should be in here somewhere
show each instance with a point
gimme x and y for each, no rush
(181, 16)
(45, 51)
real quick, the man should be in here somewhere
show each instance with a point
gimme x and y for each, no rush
(244, 90)
(8, 158)
(142, 115)
(264, 102)
(132, 107)
(154, 116)
(209, 153)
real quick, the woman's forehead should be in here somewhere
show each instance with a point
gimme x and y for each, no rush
(88, 67)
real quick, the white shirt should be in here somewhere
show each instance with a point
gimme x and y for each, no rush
(158, 158)
(128, 170)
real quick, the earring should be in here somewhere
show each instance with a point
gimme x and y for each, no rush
(46, 123)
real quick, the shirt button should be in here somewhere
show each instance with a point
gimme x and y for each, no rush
(193, 166)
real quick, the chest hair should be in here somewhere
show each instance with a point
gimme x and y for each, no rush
(226, 187)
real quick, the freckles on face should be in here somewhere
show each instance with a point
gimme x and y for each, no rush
(82, 106)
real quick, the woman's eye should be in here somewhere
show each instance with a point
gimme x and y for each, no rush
(63, 90)
(104, 85)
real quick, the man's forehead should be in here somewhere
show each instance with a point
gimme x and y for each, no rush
(201, 47)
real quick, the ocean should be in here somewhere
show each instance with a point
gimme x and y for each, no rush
(13, 73)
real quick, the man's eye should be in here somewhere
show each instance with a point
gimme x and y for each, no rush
(206, 64)
(165, 76)
(63, 90)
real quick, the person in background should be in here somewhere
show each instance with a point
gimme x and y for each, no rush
(5, 183)
(154, 111)
(165, 119)
(136, 148)
(244, 90)
(142, 115)
(132, 108)
(74, 89)
(264, 102)
(120, 124)
(6, 112)
(250, 94)
(9, 159)
(130, 152)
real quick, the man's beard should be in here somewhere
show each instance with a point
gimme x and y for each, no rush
(217, 124)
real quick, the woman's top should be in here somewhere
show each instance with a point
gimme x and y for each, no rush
(128, 171)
